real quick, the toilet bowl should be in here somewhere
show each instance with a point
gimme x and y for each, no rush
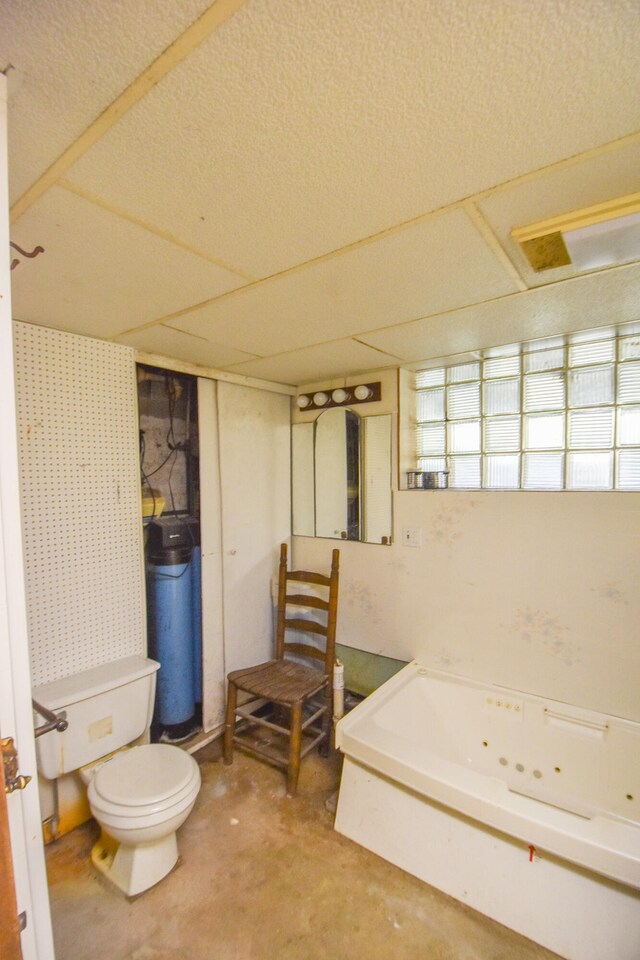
(140, 797)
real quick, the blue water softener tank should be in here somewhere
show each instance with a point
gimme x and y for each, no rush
(171, 546)
(196, 610)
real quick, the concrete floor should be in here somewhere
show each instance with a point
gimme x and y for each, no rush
(264, 877)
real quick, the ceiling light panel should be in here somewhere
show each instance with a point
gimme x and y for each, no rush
(604, 244)
(604, 234)
(611, 173)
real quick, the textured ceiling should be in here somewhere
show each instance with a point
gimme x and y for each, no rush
(298, 190)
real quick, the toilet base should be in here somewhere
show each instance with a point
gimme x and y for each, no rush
(134, 869)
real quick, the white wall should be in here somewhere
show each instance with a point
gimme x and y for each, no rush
(537, 591)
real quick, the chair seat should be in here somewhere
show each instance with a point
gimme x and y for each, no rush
(282, 681)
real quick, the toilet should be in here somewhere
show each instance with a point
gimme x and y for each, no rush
(139, 795)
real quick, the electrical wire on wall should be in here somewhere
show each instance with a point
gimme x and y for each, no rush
(172, 391)
(174, 445)
(145, 478)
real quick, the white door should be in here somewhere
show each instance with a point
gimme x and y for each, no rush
(213, 675)
(255, 469)
(16, 721)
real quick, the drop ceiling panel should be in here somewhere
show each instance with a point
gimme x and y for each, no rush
(174, 343)
(437, 265)
(321, 362)
(611, 174)
(300, 127)
(101, 275)
(598, 299)
(69, 60)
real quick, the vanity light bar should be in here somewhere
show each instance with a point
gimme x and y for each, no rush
(340, 397)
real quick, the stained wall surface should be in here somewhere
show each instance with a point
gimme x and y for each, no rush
(537, 591)
(533, 590)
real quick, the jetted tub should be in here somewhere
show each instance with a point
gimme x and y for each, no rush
(524, 808)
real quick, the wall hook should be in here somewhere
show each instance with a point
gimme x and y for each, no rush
(24, 253)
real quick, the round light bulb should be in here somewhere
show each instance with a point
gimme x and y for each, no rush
(320, 399)
(303, 401)
(362, 392)
(339, 396)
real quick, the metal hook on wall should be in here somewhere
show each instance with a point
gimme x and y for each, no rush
(24, 253)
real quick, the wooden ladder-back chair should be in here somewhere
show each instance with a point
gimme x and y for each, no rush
(291, 699)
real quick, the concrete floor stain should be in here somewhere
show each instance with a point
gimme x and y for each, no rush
(279, 884)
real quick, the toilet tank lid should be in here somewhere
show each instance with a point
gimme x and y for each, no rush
(90, 683)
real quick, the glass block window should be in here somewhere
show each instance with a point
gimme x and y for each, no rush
(555, 414)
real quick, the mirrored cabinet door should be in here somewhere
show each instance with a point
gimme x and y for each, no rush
(341, 477)
(376, 479)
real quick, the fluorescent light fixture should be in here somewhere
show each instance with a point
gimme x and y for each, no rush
(607, 234)
(606, 243)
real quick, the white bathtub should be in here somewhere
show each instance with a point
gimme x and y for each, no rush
(524, 808)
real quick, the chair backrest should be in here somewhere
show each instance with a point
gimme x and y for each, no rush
(291, 603)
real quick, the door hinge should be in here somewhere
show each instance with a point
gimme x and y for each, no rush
(12, 779)
(22, 921)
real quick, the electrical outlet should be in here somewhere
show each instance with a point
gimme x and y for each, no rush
(412, 536)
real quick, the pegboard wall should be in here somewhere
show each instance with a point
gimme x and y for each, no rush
(79, 472)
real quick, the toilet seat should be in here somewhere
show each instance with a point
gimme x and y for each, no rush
(144, 781)
(144, 775)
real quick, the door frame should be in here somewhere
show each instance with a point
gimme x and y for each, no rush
(16, 716)
(9, 924)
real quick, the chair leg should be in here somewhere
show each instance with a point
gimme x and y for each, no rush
(295, 744)
(230, 722)
(327, 721)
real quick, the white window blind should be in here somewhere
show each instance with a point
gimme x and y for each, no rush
(543, 415)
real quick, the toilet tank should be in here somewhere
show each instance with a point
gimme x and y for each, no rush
(106, 708)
